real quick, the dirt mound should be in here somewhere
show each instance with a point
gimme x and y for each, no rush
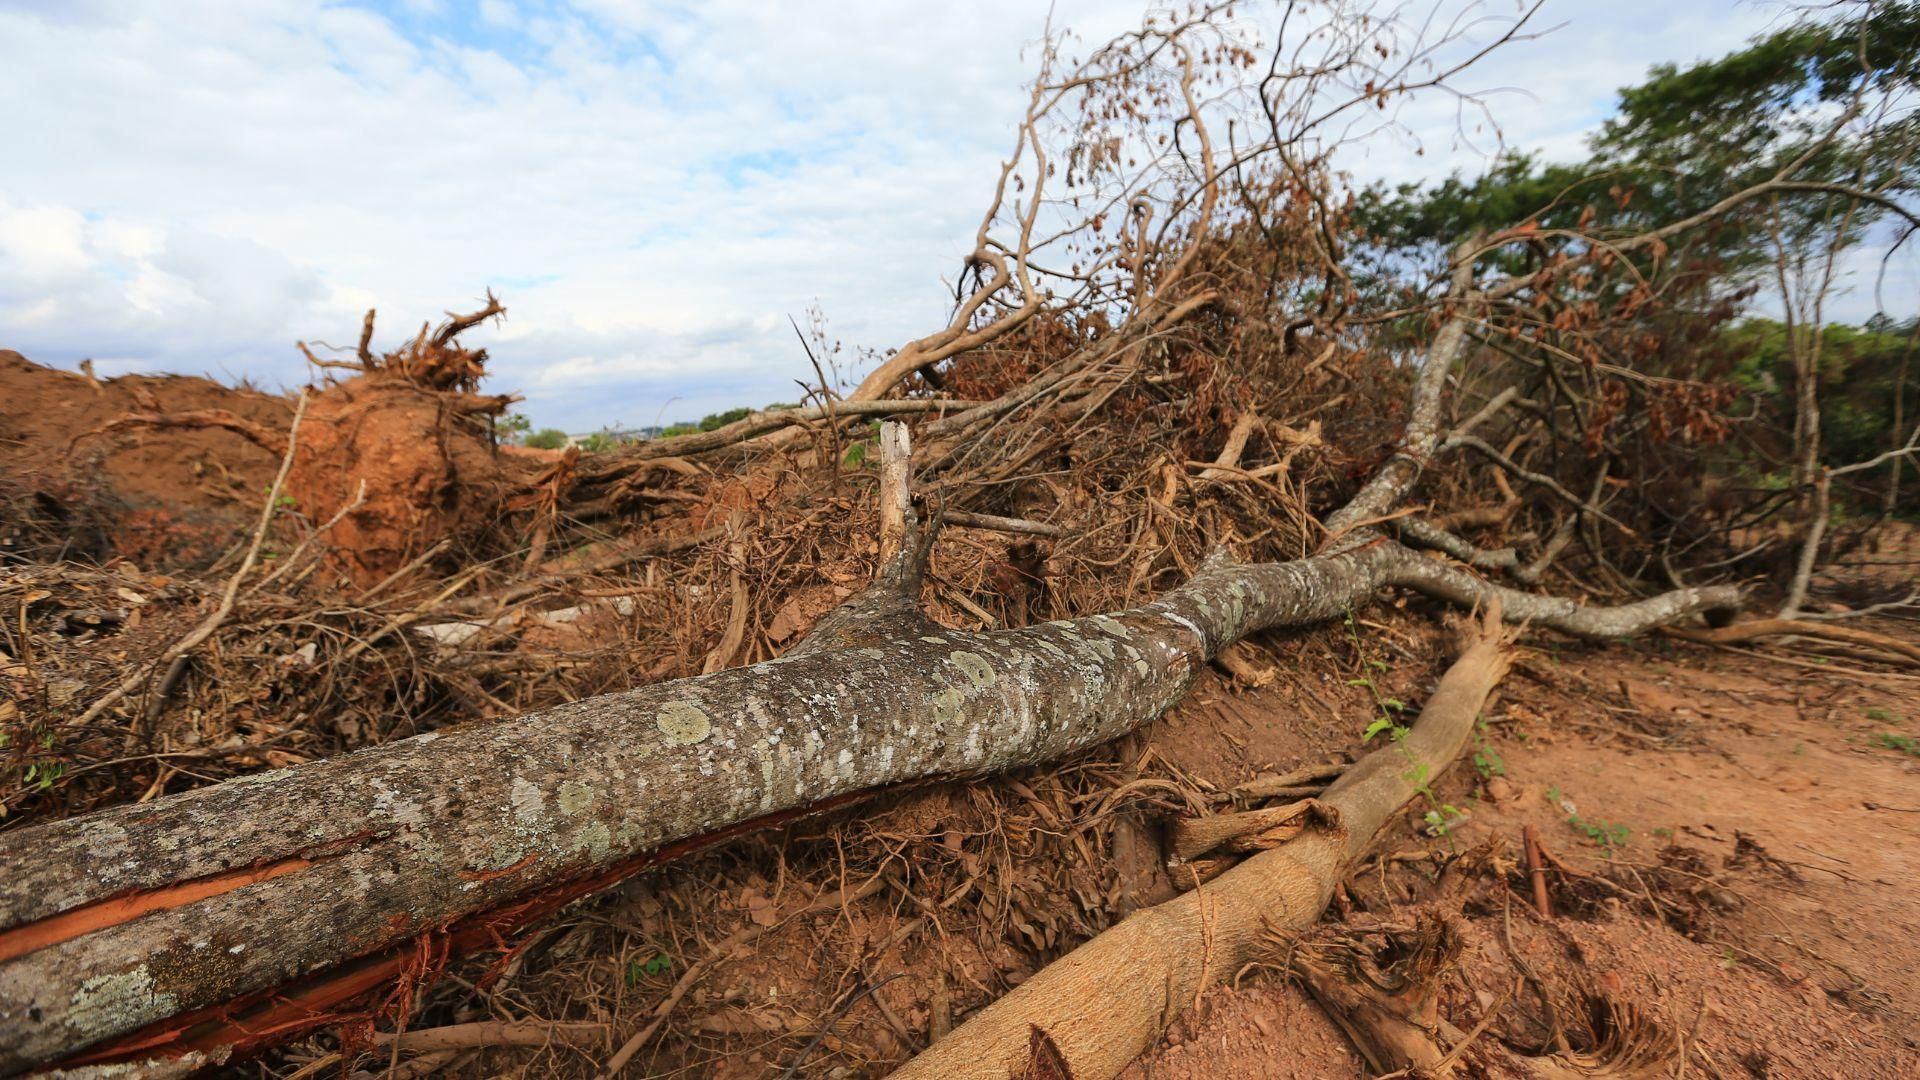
(156, 494)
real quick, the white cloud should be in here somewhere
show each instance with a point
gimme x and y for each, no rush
(652, 187)
(499, 13)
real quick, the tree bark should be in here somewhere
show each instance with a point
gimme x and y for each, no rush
(117, 926)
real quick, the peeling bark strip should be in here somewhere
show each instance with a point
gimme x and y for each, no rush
(427, 831)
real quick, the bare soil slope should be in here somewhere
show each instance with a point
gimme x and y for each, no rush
(179, 492)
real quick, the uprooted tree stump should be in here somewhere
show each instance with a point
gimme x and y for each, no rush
(410, 426)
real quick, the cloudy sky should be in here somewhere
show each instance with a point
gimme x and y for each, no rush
(653, 187)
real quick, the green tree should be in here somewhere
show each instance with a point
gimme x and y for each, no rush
(714, 421)
(512, 427)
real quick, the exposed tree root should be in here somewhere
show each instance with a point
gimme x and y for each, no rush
(494, 1033)
(1254, 830)
(271, 441)
(1387, 1000)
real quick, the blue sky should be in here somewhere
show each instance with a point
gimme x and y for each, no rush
(652, 187)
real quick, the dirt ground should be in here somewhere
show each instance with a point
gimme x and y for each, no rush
(1639, 763)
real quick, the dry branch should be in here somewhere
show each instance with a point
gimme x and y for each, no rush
(1254, 830)
(1756, 629)
(623, 460)
(996, 523)
(270, 441)
(493, 1033)
(1287, 784)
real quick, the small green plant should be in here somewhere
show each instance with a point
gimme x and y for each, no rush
(1603, 834)
(1880, 716)
(598, 442)
(657, 964)
(43, 774)
(716, 421)
(546, 439)
(856, 456)
(1893, 740)
(1486, 760)
(1440, 817)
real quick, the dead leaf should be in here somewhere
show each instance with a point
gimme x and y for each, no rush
(1044, 1059)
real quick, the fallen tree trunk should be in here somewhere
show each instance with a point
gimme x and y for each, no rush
(133, 931)
(1104, 1003)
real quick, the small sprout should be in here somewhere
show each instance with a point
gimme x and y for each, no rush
(657, 964)
(1893, 740)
